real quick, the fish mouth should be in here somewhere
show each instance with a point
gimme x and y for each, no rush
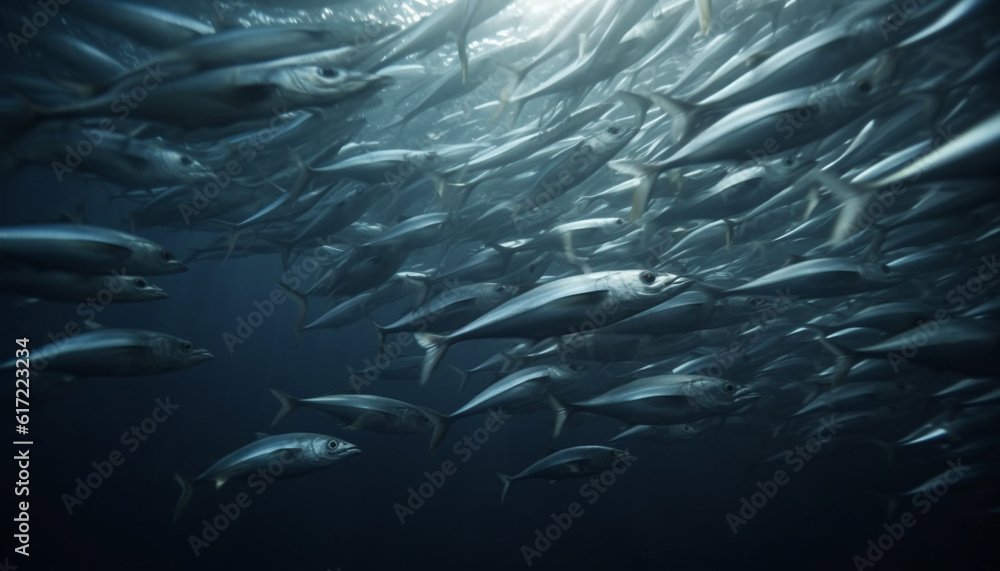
(351, 450)
(176, 267)
(201, 355)
(156, 294)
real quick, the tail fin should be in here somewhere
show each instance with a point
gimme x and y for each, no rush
(854, 200)
(381, 332)
(462, 378)
(187, 490)
(301, 301)
(514, 78)
(506, 485)
(647, 175)
(288, 404)
(436, 346)
(563, 412)
(682, 115)
(638, 104)
(705, 15)
(732, 224)
(463, 56)
(442, 423)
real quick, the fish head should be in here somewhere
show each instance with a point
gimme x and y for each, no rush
(172, 353)
(639, 289)
(330, 450)
(316, 85)
(134, 288)
(151, 258)
(183, 166)
(720, 394)
(613, 135)
(499, 293)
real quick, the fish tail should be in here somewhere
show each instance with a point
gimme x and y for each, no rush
(187, 490)
(381, 332)
(442, 423)
(436, 346)
(637, 104)
(463, 57)
(288, 404)
(462, 378)
(647, 175)
(563, 412)
(844, 357)
(303, 302)
(506, 485)
(705, 15)
(732, 224)
(514, 78)
(682, 115)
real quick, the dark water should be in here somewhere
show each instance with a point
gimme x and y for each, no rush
(667, 511)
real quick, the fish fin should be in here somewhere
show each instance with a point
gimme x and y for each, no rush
(288, 404)
(303, 302)
(442, 423)
(436, 346)
(506, 485)
(704, 15)
(647, 175)
(853, 199)
(220, 481)
(92, 325)
(732, 224)
(637, 104)
(463, 57)
(261, 435)
(380, 332)
(682, 115)
(514, 78)
(844, 357)
(563, 412)
(462, 378)
(187, 490)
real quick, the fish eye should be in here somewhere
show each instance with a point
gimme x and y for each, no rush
(788, 161)
(729, 388)
(501, 289)
(647, 277)
(141, 283)
(614, 130)
(332, 445)
(327, 72)
(186, 160)
(619, 221)
(186, 346)
(754, 301)
(166, 255)
(865, 86)
(613, 454)
(688, 428)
